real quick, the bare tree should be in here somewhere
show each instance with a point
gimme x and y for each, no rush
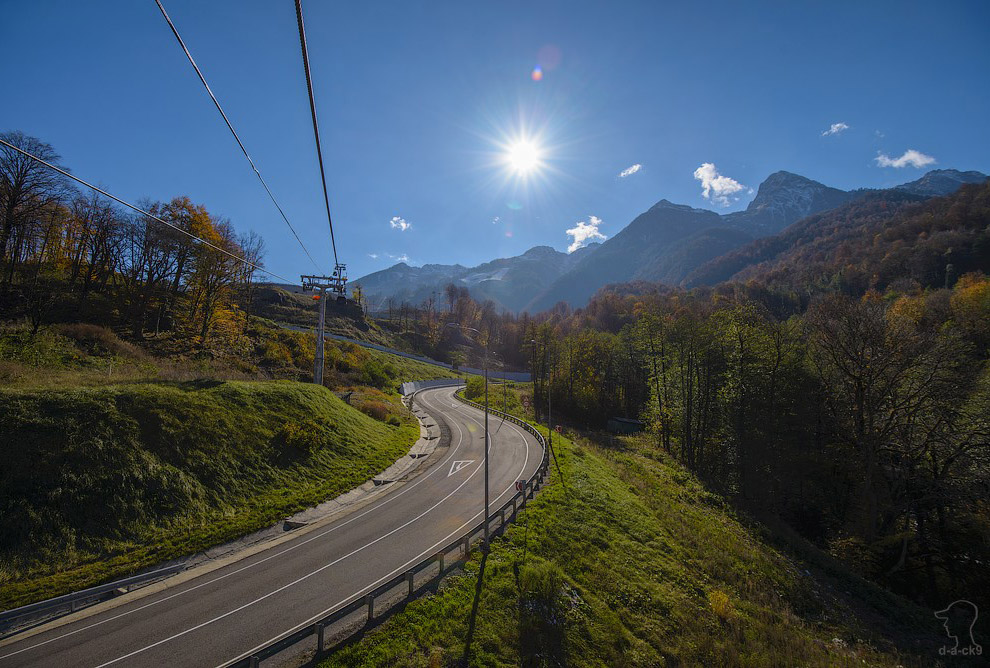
(253, 249)
(26, 189)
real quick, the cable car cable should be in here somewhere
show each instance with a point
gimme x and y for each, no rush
(232, 131)
(316, 126)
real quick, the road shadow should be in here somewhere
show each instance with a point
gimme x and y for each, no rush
(542, 616)
(472, 622)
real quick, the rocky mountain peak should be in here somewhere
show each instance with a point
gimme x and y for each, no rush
(783, 198)
(668, 205)
(541, 252)
(785, 187)
(940, 182)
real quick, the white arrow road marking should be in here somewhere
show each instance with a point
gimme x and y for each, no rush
(458, 465)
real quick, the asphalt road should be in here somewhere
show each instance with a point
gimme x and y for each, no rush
(212, 618)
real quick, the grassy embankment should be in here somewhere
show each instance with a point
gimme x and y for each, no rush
(73, 355)
(115, 457)
(633, 563)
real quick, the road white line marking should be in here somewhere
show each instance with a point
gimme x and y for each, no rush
(297, 580)
(388, 499)
(458, 465)
(416, 559)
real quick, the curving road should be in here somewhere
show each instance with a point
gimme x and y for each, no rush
(210, 618)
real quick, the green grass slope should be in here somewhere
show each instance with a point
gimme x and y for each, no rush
(97, 482)
(405, 369)
(630, 562)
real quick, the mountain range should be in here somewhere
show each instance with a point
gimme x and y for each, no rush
(509, 282)
(669, 243)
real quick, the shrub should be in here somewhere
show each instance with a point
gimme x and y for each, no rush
(11, 371)
(305, 437)
(721, 604)
(44, 349)
(475, 388)
(376, 409)
(96, 340)
(332, 357)
(376, 374)
(274, 353)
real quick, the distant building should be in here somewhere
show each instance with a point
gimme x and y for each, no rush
(619, 425)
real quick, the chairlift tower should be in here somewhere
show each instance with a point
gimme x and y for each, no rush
(336, 285)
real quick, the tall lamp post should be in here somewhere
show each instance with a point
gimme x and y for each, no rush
(487, 445)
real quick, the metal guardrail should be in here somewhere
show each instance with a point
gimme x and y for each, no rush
(506, 513)
(72, 602)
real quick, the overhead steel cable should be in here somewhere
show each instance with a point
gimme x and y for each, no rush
(316, 126)
(233, 132)
(143, 212)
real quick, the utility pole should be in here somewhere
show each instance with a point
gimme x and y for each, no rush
(487, 446)
(335, 284)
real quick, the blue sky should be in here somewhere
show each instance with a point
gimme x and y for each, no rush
(418, 101)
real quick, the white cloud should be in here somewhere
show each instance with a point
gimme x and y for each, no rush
(910, 157)
(629, 171)
(582, 233)
(715, 187)
(399, 224)
(373, 256)
(398, 258)
(835, 129)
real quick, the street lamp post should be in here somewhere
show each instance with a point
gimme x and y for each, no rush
(487, 444)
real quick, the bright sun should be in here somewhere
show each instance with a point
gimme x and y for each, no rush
(523, 156)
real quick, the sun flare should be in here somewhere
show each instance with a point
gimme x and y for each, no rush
(523, 156)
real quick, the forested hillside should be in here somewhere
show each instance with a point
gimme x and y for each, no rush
(862, 421)
(879, 239)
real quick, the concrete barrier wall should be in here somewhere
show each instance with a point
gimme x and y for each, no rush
(496, 374)
(408, 388)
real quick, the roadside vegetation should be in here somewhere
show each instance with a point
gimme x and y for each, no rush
(505, 396)
(96, 482)
(627, 560)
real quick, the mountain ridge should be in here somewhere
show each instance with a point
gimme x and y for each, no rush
(667, 243)
(505, 281)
